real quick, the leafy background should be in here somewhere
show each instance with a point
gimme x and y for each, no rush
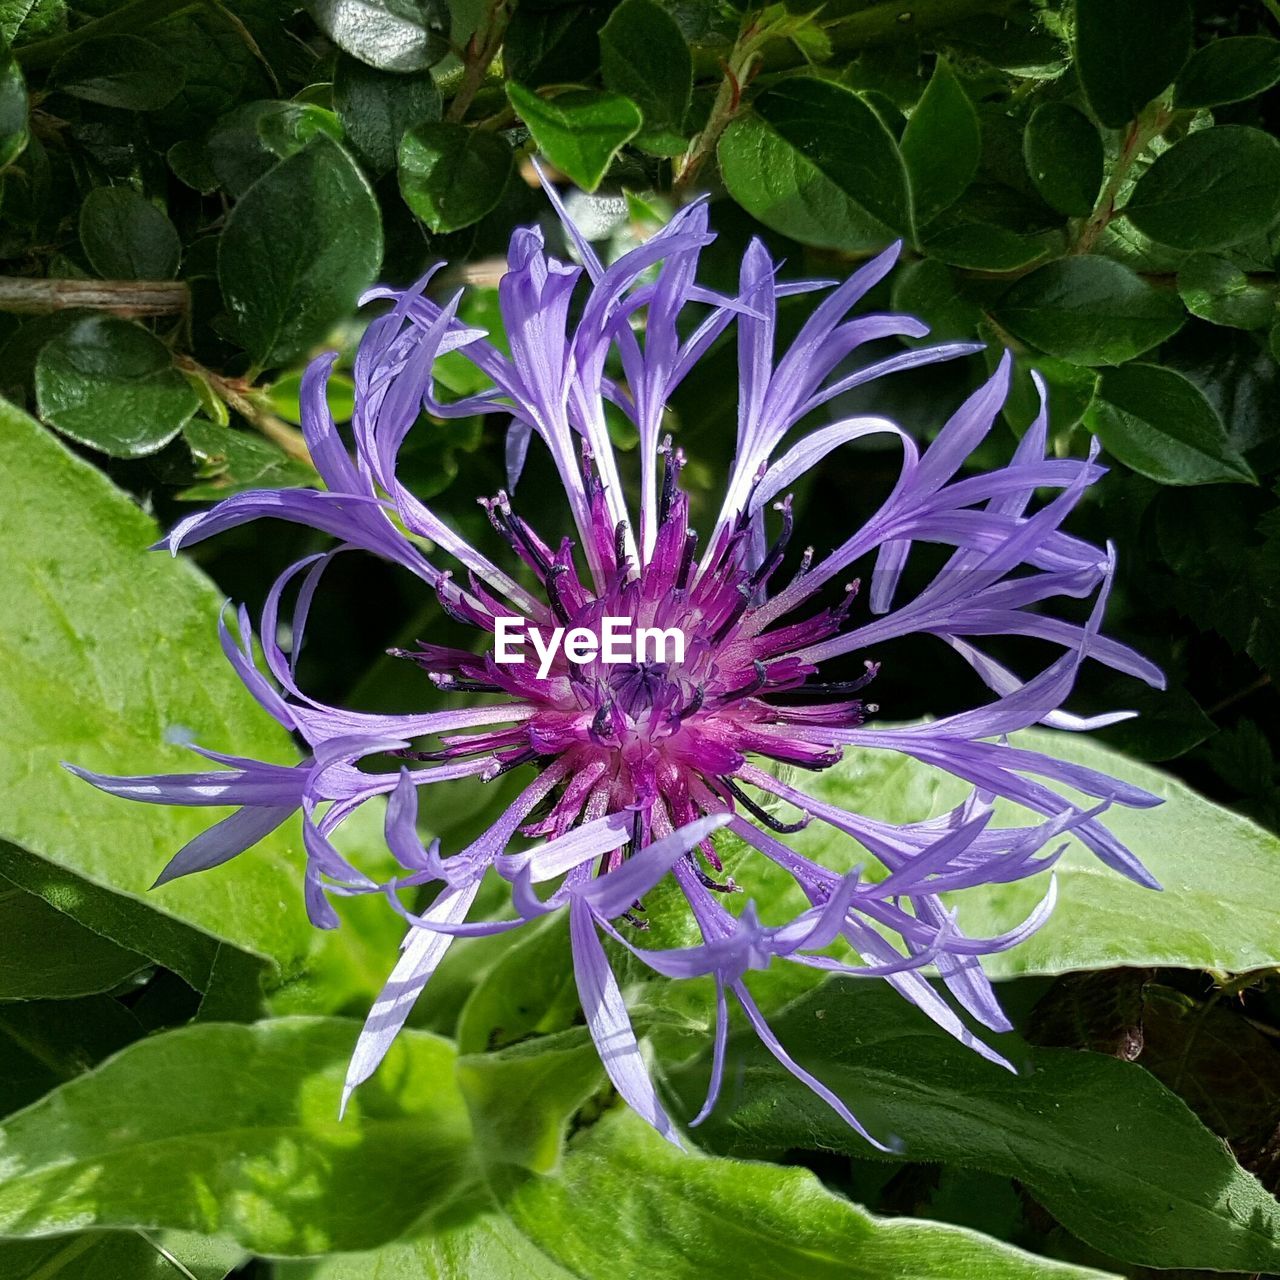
(191, 197)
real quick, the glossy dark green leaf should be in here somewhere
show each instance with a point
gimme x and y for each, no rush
(928, 290)
(376, 107)
(189, 161)
(110, 384)
(23, 21)
(450, 175)
(1157, 422)
(1128, 53)
(1214, 188)
(815, 162)
(1229, 69)
(119, 71)
(234, 150)
(285, 132)
(1117, 1158)
(1089, 310)
(644, 56)
(579, 131)
(235, 1130)
(941, 145)
(392, 35)
(297, 250)
(1064, 157)
(1216, 290)
(102, 612)
(981, 246)
(45, 955)
(125, 237)
(13, 108)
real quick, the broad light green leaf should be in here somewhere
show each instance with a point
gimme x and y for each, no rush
(1217, 290)
(941, 145)
(1214, 188)
(1215, 866)
(1063, 151)
(376, 107)
(1116, 1157)
(522, 1097)
(450, 175)
(13, 108)
(624, 1193)
(1089, 310)
(579, 131)
(1158, 422)
(484, 1245)
(643, 55)
(113, 659)
(814, 161)
(110, 384)
(120, 1255)
(298, 248)
(125, 237)
(119, 71)
(1128, 53)
(45, 955)
(392, 35)
(1228, 69)
(233, 1131)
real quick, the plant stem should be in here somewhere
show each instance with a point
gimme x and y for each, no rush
(249, 403)
(135, 16)
(742, 64)
(481, 50)
(127, 298)
(1152, 122)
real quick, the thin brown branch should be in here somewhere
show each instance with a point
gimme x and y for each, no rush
(480, 52)
(250, 404)
(130, 299)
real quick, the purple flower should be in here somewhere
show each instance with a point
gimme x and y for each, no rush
(633, 765)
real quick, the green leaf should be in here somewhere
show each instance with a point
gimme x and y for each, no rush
(485, 1245)
(13, 108)
(1089, 310)
(44, 1044)
(1158, 423)
(941, 145)
(1214, 188)
(110, 384)
(1064, 157)
(625, 1193)
(981, 246)
(125, 237)
(816, 163)
(22, 21)
(451, 176)
(298, 248)
(1228, 69)
(1218, 291)
(1117, 1158)
(45, 955)
(377, 107)
(1101, 919)
(928, 289)
(1126, 54)
(391, 35)
(579, 131)
(234, 1130)
(284, 133)
(523, 1097)
(643, 55)
(120, 1255)
(119, 71)
(121, 661)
